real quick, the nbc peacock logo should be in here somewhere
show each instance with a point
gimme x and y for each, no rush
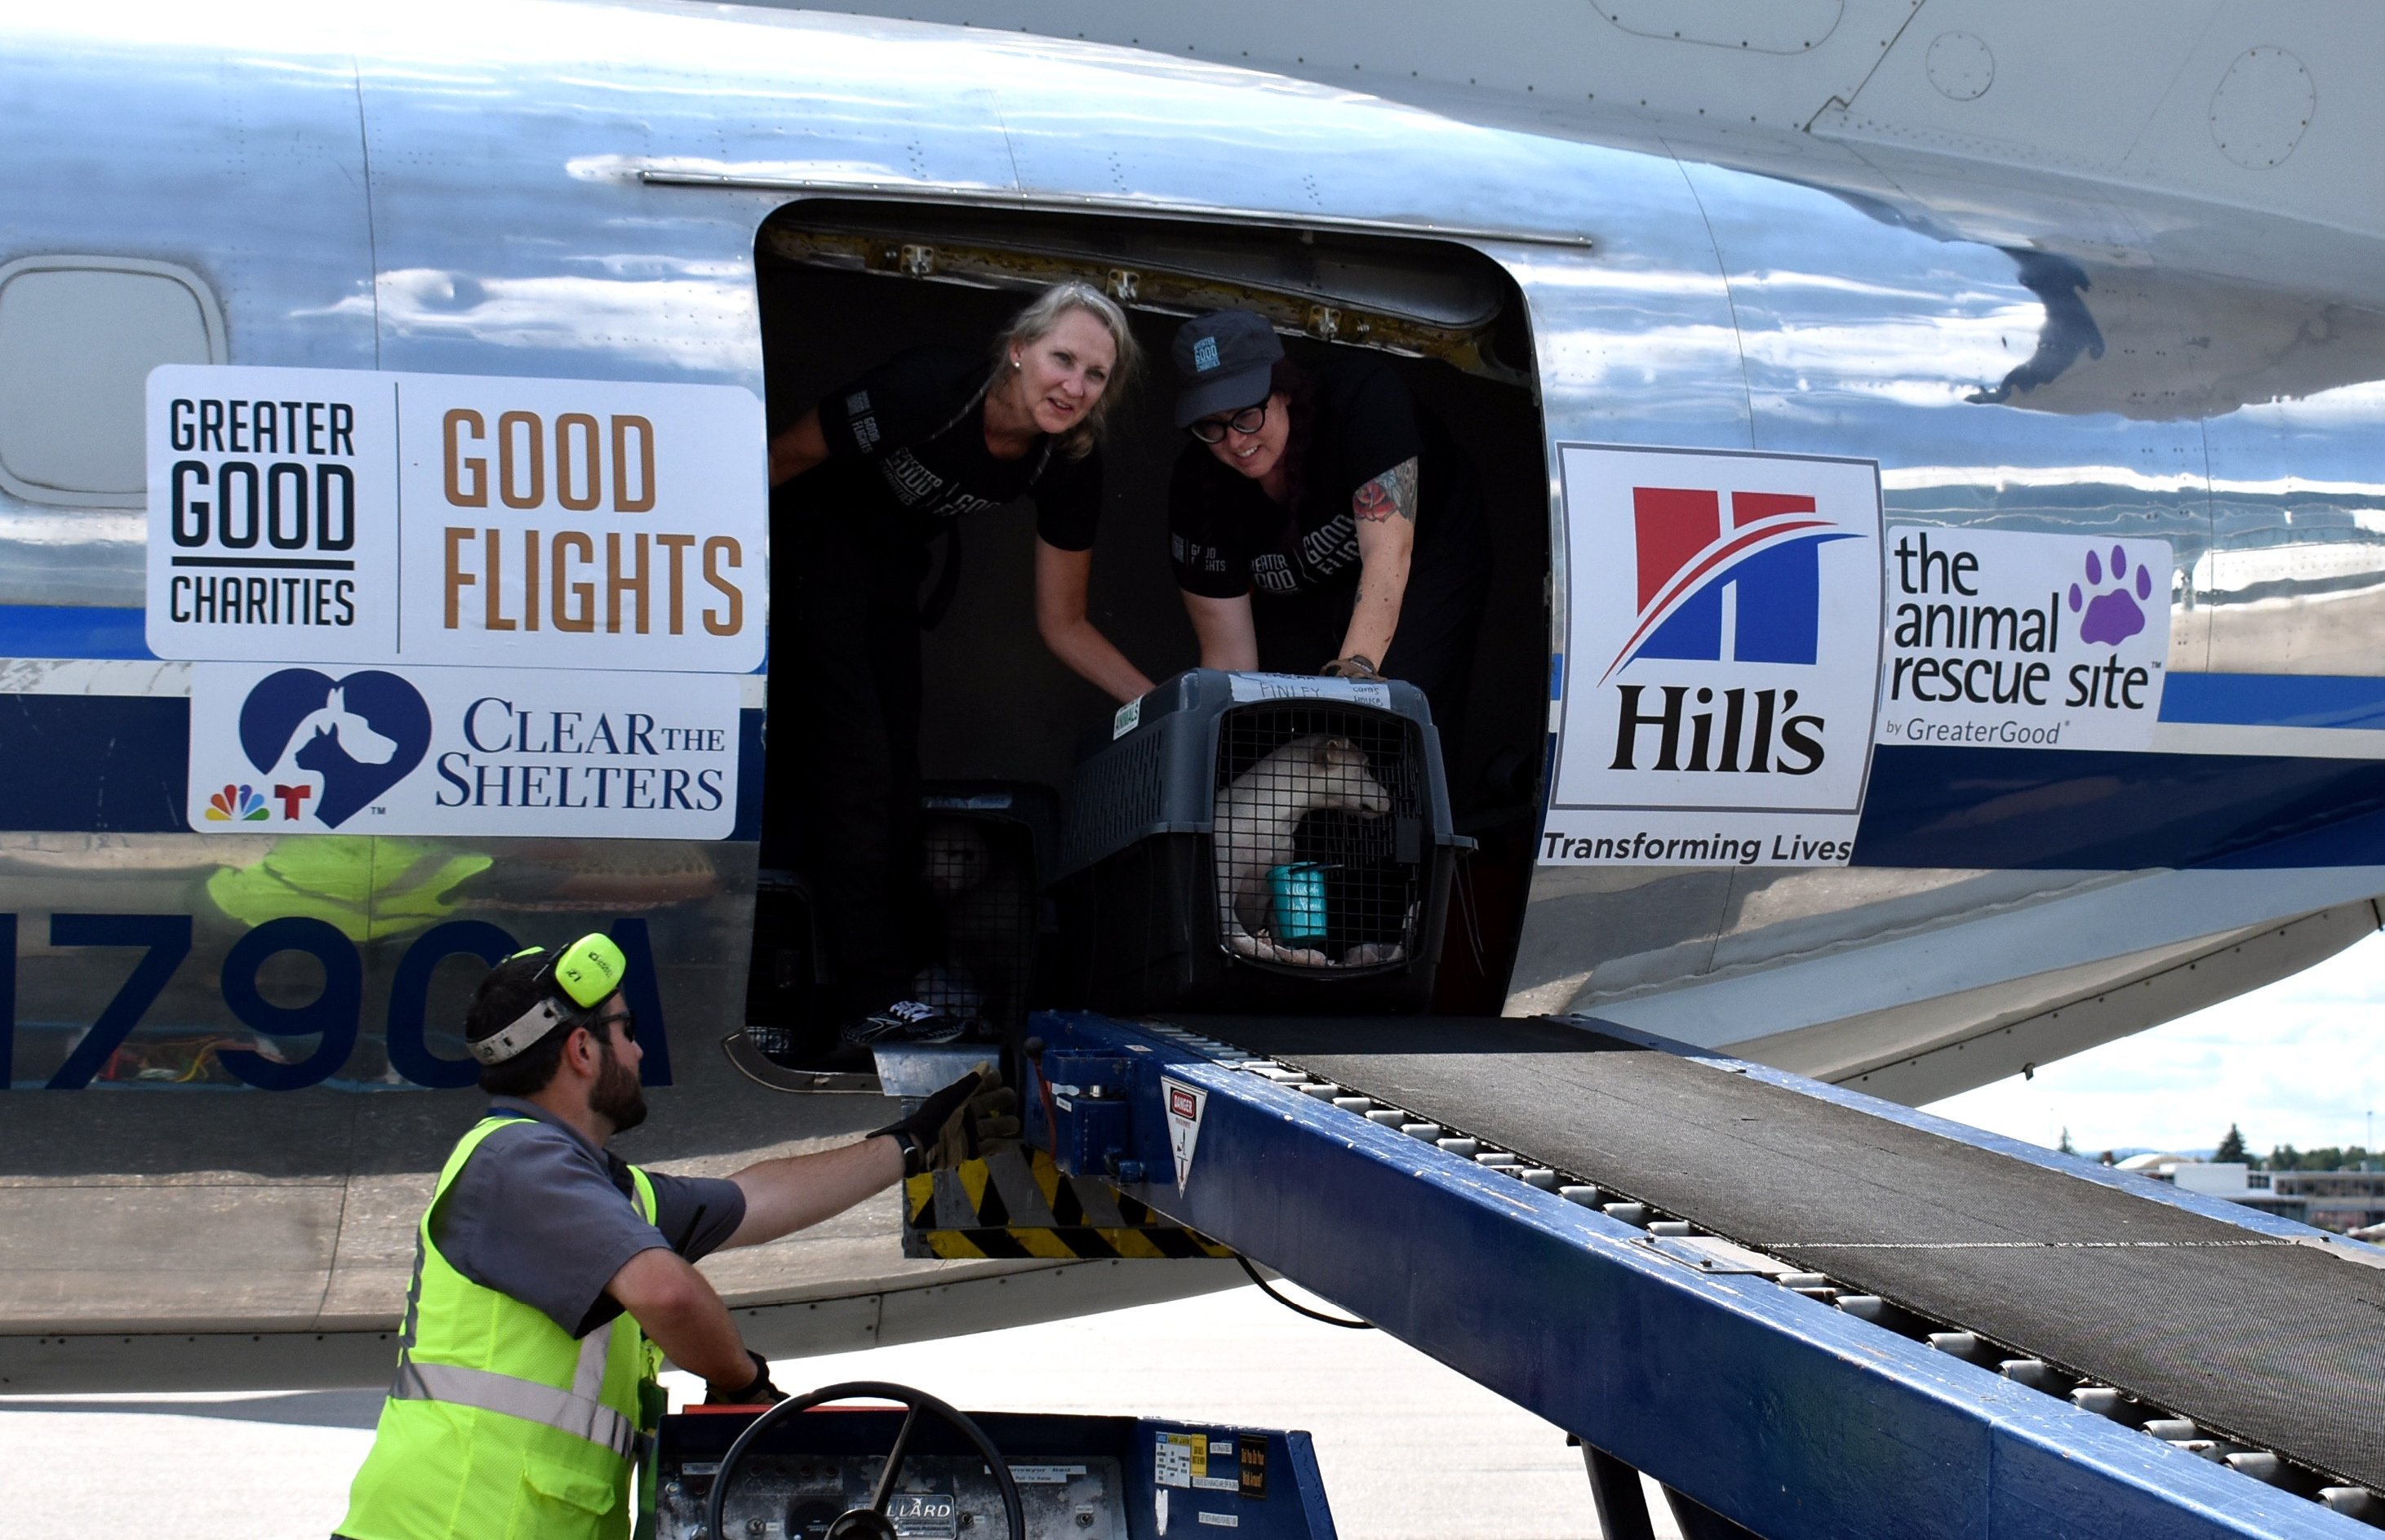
(237, 804)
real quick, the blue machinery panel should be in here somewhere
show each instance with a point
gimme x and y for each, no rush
(1779, 1412)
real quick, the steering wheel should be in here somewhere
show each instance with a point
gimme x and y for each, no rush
(871, 1524)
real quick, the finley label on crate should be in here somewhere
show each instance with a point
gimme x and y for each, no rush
(1311, 687)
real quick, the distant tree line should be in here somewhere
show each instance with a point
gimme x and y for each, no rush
(2285, 1157)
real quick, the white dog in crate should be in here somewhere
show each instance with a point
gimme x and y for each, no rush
(1256, 817)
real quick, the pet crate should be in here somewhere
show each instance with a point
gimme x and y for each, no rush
(974, 924)
(1260, 842)
(982, 848)
(786, 994)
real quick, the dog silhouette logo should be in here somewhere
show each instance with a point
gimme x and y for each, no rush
(362, 734)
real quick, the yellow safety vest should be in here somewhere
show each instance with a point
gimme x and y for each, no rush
(500, 1422)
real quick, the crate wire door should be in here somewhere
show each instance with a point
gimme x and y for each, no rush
(1332, 788)
(978, 873)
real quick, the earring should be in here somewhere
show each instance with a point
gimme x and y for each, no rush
(1013, 360)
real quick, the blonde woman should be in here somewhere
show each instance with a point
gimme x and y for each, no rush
(880, 466)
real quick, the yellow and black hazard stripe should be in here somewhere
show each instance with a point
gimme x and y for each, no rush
(1017, 1203)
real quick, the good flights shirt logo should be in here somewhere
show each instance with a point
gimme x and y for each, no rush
(458, 751)
(2014, 639)
(1723, 647)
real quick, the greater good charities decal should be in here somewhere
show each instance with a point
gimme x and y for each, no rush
(354, 517)
(299, 749)
(1722, 659)
(2012, 639)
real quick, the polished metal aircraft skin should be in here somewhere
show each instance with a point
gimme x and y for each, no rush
(574, 192)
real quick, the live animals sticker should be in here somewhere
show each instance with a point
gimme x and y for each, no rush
(1185, 1104)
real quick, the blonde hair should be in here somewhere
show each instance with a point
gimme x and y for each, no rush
(1036, 321)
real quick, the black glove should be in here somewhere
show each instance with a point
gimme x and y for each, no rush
(957, 1123)
(1357, 665)
(755, 1392)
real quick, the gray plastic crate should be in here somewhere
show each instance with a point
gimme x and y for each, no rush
(1263, 842)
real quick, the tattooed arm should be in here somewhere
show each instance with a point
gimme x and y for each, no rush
(1384, 511)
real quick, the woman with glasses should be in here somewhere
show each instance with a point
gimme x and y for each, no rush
(878, 468)
(1337, 501)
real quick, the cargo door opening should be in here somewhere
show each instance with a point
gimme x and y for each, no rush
(1003, 723)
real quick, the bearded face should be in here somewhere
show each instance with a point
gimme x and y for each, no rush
(617, 1097)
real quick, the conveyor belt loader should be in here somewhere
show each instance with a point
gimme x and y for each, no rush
(1808, 1313)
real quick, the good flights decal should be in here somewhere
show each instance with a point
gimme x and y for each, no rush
(1723, 656)
(348, 515)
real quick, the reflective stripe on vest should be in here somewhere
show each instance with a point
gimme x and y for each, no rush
(582, 1416)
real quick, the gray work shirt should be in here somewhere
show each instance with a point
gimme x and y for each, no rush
(543, 1215)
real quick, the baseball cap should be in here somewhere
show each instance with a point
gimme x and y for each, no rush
(1223, 360)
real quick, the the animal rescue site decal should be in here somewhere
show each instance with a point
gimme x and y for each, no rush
(1722, 661)
(347, 515)
(296, 749)
(2008, 639)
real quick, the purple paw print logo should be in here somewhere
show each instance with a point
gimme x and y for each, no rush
(2113, 615)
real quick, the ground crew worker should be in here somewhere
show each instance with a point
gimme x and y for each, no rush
(550, 1277)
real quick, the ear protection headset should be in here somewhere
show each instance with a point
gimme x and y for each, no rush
(575, 980)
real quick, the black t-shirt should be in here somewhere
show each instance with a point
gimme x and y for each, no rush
(907, 440)
(1228, 537)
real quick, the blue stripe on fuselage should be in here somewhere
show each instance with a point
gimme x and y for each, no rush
(2053, 809)
(73, 631)
(118, 764)
(2274, 699)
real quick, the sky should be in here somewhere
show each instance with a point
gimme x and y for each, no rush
(2299, 1062)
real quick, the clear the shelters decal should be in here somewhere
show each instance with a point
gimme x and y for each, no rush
(1722, 661)
(2004, 638)
(304, 748)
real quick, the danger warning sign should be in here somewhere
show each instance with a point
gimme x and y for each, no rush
(1185, 1104)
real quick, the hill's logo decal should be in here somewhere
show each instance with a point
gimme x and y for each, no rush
(1723, 610)
(357, 736)
(1768, 561)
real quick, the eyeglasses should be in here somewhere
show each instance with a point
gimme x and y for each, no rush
(1212, 430)
(628, 1024)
